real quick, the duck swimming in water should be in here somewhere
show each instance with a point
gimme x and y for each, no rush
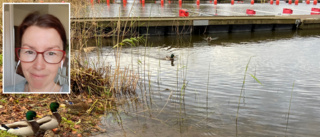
(170, 57)
(210, 39)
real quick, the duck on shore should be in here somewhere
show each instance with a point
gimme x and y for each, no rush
(50, 122)
(23, 128)
(76, 106)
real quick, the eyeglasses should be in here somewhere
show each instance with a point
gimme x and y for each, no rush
(52, 56)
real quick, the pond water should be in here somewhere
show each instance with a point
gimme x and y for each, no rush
(199, 93)
(204, 9)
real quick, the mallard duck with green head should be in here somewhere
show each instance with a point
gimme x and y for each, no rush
(170, 57)
(50, 122)
(23, 128)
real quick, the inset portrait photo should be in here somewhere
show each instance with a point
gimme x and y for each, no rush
(36, 40)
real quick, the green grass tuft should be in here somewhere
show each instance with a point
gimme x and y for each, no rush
(6, 134)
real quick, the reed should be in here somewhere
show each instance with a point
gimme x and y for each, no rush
(242, 90)
(289, 109)
(117, 80)
(116, 84)
(95, 80)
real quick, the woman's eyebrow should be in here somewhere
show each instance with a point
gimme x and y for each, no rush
(26, 45)
(52, 47)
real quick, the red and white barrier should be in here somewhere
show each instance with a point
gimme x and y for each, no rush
(183, 13)
(250, 12)
(287, 11)
(315, 11)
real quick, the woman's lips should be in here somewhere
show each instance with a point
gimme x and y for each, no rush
(37, 76)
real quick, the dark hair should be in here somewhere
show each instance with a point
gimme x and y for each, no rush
(43, 21)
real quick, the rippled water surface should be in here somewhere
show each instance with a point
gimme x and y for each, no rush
(198, 93)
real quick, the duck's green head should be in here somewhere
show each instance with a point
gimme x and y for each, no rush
(30, 115)
(172, 56)
(54, 106)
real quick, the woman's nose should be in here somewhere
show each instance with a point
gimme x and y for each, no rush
(39, 62)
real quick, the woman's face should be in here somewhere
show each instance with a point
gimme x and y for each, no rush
(39, 73)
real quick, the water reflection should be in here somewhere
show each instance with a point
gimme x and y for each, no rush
(221, 39)
(199, 95)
